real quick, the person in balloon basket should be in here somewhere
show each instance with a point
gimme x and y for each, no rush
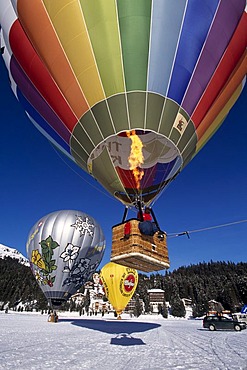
(147, 226)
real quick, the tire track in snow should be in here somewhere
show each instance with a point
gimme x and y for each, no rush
(233, 350)
(214, 349)
(224, 351)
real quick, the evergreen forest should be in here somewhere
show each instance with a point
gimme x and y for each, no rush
(224, 282)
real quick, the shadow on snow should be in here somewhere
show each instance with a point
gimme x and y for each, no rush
(122, 329)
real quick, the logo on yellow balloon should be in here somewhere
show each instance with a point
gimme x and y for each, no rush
(127, 284)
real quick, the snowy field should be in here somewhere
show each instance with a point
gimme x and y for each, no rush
(28, 341)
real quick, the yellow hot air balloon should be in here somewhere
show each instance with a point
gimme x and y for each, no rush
(120, 283)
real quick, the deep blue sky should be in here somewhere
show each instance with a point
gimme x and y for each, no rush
(211, 190)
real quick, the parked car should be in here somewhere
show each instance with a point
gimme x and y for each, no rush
(221, 322)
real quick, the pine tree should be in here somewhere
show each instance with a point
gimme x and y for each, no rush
(138, 307)
(177, 306)
(199, 309)
(87, 301)
(224, 282)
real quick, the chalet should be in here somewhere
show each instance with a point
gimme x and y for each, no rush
(156, 298)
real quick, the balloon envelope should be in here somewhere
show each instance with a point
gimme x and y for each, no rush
(91, 72)
(64, 249)
(120, 283)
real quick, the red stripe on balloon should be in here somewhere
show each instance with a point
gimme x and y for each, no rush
(230, 59)
(39, 75)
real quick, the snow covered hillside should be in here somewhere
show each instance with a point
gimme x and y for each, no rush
(12, 253)
(28, 341)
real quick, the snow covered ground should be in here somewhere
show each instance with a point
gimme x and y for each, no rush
(28, 341)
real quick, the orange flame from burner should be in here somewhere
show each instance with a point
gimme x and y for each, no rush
(136, 158)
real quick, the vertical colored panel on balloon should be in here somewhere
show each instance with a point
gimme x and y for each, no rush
(36, 101)
(37, 25)
(167, 20)
(102, 25)
(134, 24)
(170, 111)
(223, 27)
(174, 135)
(155, 105)
(118, 108)
(236, 79)
(103, 119)
(68, 21)
(80, 147)
(197, 21)
(38, 74)
(149, 177)
(179, 126)
(209, 130)
(105, 172)
(136, 106)
(91, 128)
(87, 132)
(187, 136)
(188, 153)
(127, 179)
(229, 60)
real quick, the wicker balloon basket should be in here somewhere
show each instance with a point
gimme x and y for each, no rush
(133, 249)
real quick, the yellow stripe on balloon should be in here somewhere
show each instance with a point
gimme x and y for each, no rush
(68, 21)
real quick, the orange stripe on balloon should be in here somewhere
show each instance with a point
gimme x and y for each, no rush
(219, 119)
(225, 95)
(36, 23)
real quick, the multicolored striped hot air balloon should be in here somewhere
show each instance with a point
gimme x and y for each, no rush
(109, 81)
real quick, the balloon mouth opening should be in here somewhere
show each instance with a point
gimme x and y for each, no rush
(140, 170)
(57, 302)
(131, 197)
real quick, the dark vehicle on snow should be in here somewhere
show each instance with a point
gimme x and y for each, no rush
(222, 322)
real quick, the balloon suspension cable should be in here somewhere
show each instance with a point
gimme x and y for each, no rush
(125, 214)
(139, 207)
(50, 306)
(174, 235)
(155, 219)
(72, 169)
